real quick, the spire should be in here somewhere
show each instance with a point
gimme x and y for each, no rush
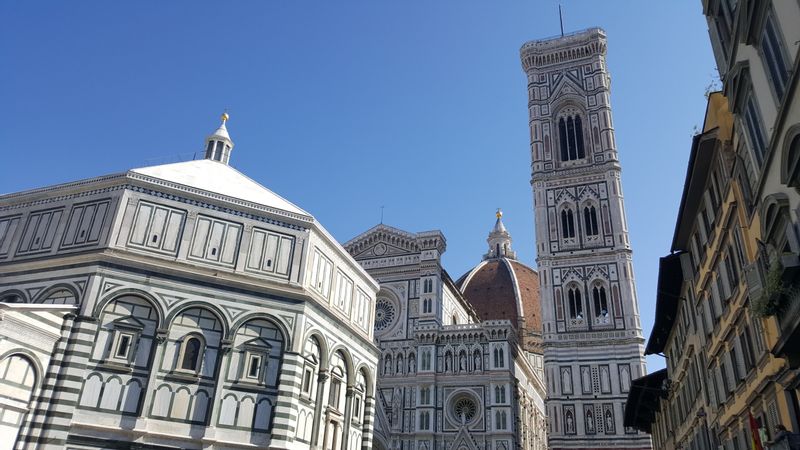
(219, 144)
(499, 240)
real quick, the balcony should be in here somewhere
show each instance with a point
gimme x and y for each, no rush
(788, 345)
(602, 321)
(775, 291)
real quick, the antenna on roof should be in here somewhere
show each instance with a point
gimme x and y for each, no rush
(561, 20)
(381, 215)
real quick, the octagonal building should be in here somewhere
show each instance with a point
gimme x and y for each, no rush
(180, 306)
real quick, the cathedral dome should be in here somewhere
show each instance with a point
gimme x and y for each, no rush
(502, 288)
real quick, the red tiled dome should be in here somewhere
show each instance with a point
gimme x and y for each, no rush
(505, 289)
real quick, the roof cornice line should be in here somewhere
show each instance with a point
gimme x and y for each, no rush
(216, 196)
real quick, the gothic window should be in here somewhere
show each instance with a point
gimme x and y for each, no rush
(191, 353)
(590, 221)
(427, 286)
(600, 301)
(424, 420)
(425, 363)
(773, 55)
(501, 420)
(574, 302)
(425, 395)
(499, 357)
(499, 394)
(567, 224)
(570, 133)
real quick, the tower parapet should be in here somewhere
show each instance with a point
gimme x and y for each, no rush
(561, 50)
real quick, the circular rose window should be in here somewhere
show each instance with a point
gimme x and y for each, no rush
(464, 409)
(384, 314)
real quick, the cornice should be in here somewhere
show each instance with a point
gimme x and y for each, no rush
(563, 49)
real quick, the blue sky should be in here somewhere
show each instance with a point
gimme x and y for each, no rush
(344, 107)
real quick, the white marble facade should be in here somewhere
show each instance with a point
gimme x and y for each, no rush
(446, 379)
(182, 306)
(593, 343)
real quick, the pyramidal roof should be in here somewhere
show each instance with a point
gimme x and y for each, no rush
(219, 178)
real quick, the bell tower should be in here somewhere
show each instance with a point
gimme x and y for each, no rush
(593, 343)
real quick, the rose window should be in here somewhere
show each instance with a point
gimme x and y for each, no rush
(465, 409)
(384, 314)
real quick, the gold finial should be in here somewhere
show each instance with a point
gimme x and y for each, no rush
(499, 213)
(225, 117)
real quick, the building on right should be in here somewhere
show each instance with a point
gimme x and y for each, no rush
(756, 46)
(708, 326)
(728, 298)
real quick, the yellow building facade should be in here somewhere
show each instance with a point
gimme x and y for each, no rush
(717, 345)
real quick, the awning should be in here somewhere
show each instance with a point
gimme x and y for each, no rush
(668, 290)
(645, 394)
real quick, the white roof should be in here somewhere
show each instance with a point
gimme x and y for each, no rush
(213, 176)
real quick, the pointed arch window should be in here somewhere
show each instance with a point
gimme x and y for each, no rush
(500, 394)
(590, 221)
(499, 357)
(600, 301)
(570, 133)
(567, 223)
(575, 303)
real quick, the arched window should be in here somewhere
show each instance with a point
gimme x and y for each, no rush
(191, 352)
(562, 135)
(570, 133)
(501, 420)
(600, 301)
(567, 224)
(776, 229)
(338, 378)
(575, 303)
(311, 353)
(360, 392)
(11, 298)
(455, 320)
(425, 364)
(590, 221)
(61, 297)
(499, 357)
(500, 394)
